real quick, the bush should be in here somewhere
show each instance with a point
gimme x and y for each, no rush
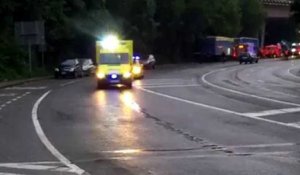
(12, 64)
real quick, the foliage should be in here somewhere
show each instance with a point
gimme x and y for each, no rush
(169, 28)
(252, 17)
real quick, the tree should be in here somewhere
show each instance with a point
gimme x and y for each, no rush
(223, 17)
(253, 16)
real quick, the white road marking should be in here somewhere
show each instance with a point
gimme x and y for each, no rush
(272, 112)
(262, 145)
(243, 93)
(68, 83)
(46, 141)
(8, 95)
(220, 109)
(279, 93)
(13, 100)
(170, 86)
(289, 71)
(26, 88)
(190, 102)
(10, 174)
(31, 167)
(37, 163)
(296, 124)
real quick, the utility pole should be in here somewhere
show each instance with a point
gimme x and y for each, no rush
(29, 58)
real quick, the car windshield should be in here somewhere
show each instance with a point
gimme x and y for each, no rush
(114, 58)
(68, 63)
(85, 61)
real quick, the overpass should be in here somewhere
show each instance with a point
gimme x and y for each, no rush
(278, 8)
(277, 26)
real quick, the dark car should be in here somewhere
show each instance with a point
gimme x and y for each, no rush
(247, 58)
(69, 68)
(88, 67)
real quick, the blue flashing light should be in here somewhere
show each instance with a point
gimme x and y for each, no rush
(114, 76)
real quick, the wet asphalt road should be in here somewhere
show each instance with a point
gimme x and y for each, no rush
(196, 119)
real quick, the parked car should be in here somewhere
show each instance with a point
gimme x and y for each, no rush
(150, 63)
(247, 58)
(88, 67)
(69, 68)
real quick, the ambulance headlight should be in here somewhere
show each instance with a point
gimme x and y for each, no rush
(100, 75)
(136, 70)
(110, 42)
(127, 75)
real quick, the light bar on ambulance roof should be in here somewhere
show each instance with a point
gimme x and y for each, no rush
(110, 42)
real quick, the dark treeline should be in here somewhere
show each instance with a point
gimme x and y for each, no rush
(167, 28)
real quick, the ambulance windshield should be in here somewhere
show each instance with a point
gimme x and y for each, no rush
(114, 58)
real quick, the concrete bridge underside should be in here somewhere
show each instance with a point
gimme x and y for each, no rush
(278, 25)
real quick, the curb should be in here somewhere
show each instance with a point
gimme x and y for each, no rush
(20, 82)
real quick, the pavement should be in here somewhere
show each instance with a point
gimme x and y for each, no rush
(4, 84)
(194, 119)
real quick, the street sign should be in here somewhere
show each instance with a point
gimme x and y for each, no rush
(32, 33)
(28, 34)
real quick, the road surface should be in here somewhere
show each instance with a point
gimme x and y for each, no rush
(211, 119)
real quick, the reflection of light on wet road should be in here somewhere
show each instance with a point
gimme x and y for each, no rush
(117, 120)
(101, 97)
(128, 151)
(138, 83)
(128, 99)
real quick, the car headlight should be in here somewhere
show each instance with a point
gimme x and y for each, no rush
(71, 69)
(100, 75)
(293, 50)
(56, 70)
(127, 75)
(137, 70)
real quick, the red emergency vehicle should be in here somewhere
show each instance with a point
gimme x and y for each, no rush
(273, 51)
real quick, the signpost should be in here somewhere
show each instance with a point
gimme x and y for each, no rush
(30, 34)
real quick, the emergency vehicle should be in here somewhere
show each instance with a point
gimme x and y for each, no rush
(274, 51)
(138, 68)
(245, 44)
(239, 49)
(114, 59)
(243, 55)
(295, 50)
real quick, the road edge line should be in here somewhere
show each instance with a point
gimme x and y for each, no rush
(289, 71)
(43, 138)
(203, 78)
(290, 125)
